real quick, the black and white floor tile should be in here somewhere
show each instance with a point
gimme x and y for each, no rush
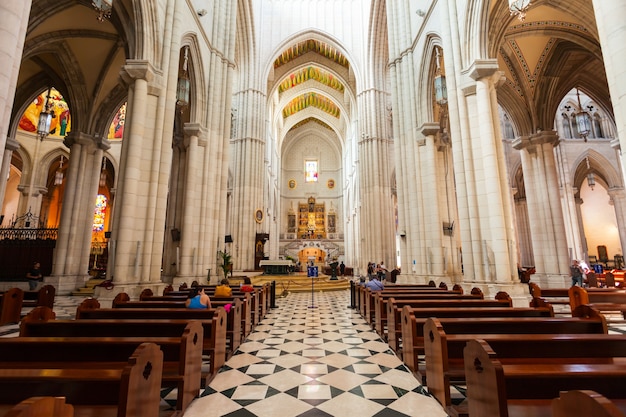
(322, 361)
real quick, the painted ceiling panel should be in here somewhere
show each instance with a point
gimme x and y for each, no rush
(311, 99)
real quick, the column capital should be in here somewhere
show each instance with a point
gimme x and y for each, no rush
(482, 68)
(142, 70)
(83, 139)
(530, 142)
(11, 144)
(429, 128)
(195, 129)
(136, 69)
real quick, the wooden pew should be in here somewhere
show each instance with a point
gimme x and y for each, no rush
(260, 299)
(366, 295)
(585, 403)
(213, 345)
(444, 354)
(39, 407)
(236, 319)
(394, 312)
(11, 306)
(520, 321)
(250, 310)
(44, 296)
(608, 301)
(213, 322)
(380, 298)
(63, 340)
(560, 295)
(361, 292)
(130, 388)
(413, 349)
(497, 389)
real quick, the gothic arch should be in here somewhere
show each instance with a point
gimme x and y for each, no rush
(602, 169)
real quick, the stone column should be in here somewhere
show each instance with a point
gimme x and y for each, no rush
(248, 176)
(71, 255)
(11, 146)
(618, 198)
(190, 237)
(545, 213)
(13, 24)
(431, 192)
(495, 227)
(130, 212)
(611, 24)
(377, 226)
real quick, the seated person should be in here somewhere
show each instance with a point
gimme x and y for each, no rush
(247, 285)
(198, 299)
(375, 284)
(223, 290)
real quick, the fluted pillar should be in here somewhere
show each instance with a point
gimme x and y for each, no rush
(545, 213)
(71, 255)
(494, 227)
(13, 24)
(618, 198)
(190, 236)
(433, 188)
(611, 23)
(247, 162)
(5, 167)
(377, 226)
(131, 200)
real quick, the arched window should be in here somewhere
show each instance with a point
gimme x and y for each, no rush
(597, 126)
(567, 129)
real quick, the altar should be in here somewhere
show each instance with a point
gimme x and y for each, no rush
(276, 267)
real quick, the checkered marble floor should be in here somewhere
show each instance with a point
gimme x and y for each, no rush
(322, 361)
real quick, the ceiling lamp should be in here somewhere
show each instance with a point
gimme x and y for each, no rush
(591, 178)
(583, 120)
(103, 8)
(45, 117)
(519, 8)
(103, 173)
(58, 177)
(441, 91)
(183, 87)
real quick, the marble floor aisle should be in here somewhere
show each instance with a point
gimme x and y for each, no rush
(310, 362)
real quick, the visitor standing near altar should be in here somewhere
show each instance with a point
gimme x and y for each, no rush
(342, 268)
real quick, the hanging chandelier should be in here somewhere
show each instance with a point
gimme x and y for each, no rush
(45, 117)
(583, 120)
(441, 91)
(58, 177)
(591, 178)
(519, 8)
(103, 173)
(103, 8)
(183, 86)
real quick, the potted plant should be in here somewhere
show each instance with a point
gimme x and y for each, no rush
(225, 262)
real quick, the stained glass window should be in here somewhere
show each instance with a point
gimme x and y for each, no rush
(116, 130)
(310, 171)
(98, 217)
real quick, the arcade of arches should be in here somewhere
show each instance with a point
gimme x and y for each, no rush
(439, 137)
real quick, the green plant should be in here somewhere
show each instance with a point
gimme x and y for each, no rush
(225, 262)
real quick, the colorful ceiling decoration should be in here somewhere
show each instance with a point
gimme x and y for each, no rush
(311, 73)
(311, 45)
(311, 119)
(311, 99)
